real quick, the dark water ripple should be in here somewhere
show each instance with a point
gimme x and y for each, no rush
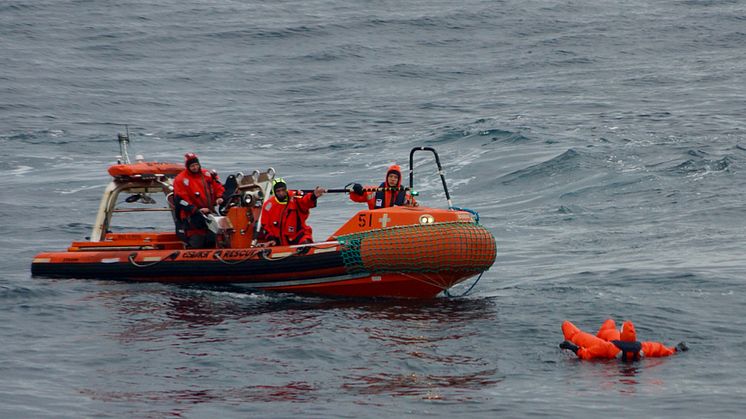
(602, 144)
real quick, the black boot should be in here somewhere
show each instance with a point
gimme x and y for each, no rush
(569, 345)
(681, 347)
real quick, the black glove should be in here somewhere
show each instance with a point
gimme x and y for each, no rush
(569, 345)
(681, 347)
(357, 188)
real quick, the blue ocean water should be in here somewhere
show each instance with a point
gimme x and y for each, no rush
(601, 142)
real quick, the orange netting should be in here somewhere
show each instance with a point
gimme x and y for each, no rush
(464, 247)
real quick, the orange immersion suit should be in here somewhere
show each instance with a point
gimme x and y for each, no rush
(285, 222)
(611, 343)
(192, 192)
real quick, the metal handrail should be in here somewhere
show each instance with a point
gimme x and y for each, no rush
(440, 171)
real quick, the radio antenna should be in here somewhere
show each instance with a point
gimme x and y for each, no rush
(124, 140)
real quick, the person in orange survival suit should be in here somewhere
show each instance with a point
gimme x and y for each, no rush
(610, 343)
(196, 192)
(284, 215)
(379, 197)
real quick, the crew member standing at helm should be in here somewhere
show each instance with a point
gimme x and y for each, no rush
(196, 193)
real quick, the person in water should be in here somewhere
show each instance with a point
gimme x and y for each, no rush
(387, 194)
(610, 343)
(196, 193)
(284, 215)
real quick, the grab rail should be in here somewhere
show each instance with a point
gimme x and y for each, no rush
(440, 171)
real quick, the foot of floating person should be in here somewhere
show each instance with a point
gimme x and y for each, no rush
(569, 345)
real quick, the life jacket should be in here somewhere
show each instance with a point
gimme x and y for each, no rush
(384, 198)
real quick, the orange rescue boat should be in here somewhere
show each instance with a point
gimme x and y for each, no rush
(409, 252)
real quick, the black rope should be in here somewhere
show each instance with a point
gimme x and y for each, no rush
(132, 257)
(448, 294)
(266, 255)
(218, 256)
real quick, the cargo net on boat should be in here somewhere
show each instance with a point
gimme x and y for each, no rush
(441, 247)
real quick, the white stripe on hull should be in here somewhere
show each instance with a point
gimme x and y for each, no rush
(313, 281)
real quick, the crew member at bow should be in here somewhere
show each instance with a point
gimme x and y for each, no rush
(388, 194)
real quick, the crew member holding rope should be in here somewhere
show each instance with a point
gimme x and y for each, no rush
(196, 192)
(388, 194)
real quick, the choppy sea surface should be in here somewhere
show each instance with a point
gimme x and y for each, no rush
(602, 142)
